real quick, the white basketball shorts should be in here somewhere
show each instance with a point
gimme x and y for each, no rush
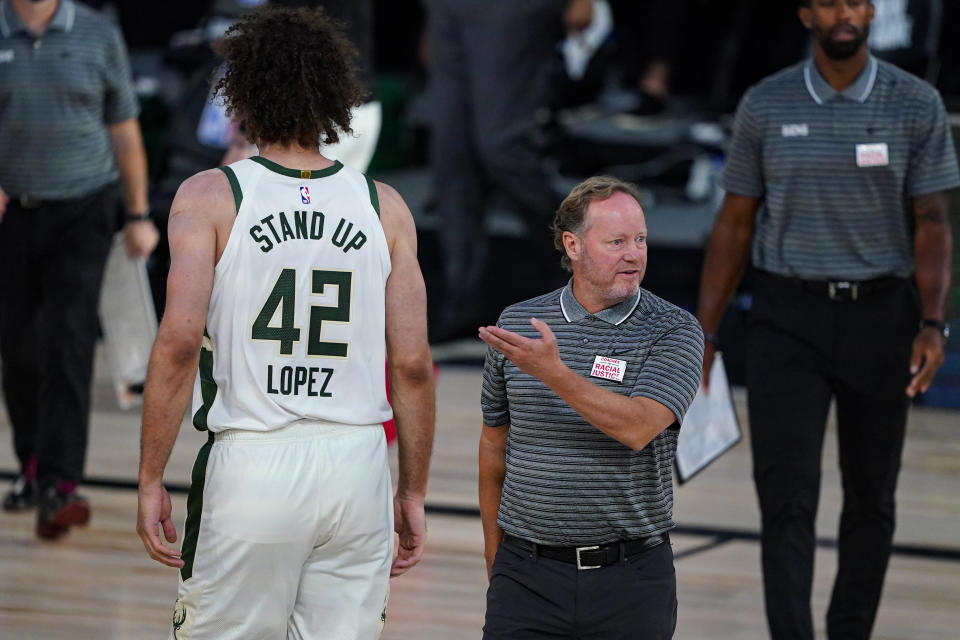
(289, 534)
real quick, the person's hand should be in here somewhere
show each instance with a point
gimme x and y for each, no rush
(490, 553)
(578, 15)
(410, 523)
(4, 199)
(709, 351)
(153, 514)
(141, 238)
(927, 356)
(538, 357)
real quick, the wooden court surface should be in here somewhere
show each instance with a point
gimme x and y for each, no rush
(99, 583)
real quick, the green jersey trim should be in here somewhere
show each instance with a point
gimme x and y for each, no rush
(304, 174)
(191, 529)
(208, 386)
(234, 186)
(374, 198)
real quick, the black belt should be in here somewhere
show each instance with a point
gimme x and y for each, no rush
(842, 290)
(28, 201)
(589, 556)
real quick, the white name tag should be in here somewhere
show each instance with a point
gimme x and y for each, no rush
(608, 368)
(872, 155)
(6, 55)
(794, 130)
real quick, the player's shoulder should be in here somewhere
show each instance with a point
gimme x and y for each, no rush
(207, 191)
(388, 198)
(395, 216)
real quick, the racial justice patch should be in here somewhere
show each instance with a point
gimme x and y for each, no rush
(608, 368)
(873, 155)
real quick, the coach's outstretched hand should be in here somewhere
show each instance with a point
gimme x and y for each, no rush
(410, 523)
(153, 511)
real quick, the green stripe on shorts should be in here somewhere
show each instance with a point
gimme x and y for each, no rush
(191, 530)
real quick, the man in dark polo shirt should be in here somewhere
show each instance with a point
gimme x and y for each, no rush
(835, 179)
(68, 129)
(584, 389)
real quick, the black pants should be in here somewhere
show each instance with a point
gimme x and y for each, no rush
(531, 597)
(491, 72)
(804, 350)
(52, 259)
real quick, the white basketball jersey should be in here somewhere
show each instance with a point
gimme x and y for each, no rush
(295, 329)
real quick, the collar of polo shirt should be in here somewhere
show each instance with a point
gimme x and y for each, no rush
(573, 311)
(822, 92)
(10, 22)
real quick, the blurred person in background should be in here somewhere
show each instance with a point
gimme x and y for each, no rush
(490, 70)
(836, 181)
(68, 131)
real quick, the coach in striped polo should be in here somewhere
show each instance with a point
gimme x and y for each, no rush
(584, 389)
(68, 131)
(836, 179)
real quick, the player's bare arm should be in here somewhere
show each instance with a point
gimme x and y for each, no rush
(411, 376)
(493, 469)
(194, 247)
(723, 264)
(932, 259)
(633, 422)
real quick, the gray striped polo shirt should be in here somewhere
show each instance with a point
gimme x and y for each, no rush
(836, 171)
(57, 94)
(567, 482)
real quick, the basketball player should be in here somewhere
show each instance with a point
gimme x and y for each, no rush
(292, 277)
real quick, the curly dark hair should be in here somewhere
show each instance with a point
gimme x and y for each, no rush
(289, 76)
(572, 214)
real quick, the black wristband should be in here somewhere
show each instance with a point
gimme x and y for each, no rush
(942, 327)
(712, 338)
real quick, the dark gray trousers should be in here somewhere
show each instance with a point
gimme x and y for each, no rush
(532, 597)
(803, 351)
(490, 74)
(52, 259)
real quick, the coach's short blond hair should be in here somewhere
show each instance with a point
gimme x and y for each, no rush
(572, 214)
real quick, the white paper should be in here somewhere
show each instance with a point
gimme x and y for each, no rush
(710, 426)
(129, 321)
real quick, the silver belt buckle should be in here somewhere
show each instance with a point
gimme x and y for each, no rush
(842, 285)
(580, 565)
(27, 202)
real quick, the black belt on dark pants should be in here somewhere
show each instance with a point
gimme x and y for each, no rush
(589, 556)
(27, 201)
(841, 290)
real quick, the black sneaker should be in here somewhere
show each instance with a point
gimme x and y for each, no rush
(23, 495)
(58, 512)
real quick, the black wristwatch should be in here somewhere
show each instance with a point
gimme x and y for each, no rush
(138, 217)
(942, 327)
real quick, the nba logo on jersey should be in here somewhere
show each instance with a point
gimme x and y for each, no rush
(305, 195)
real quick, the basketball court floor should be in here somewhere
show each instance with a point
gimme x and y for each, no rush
(99, 583)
